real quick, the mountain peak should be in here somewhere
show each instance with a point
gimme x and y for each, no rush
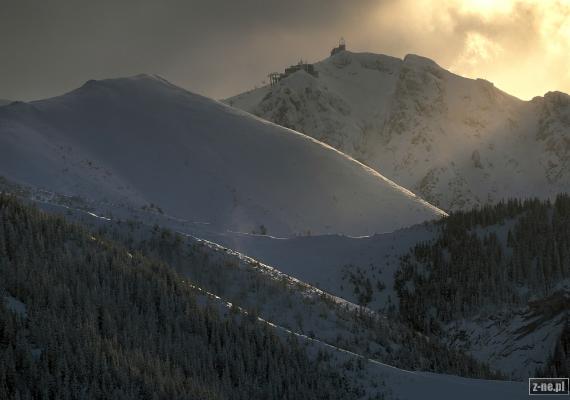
(420, 60)
(440, 134)
(135, 88)
(138, 79)
(557, 95)
(367, 60)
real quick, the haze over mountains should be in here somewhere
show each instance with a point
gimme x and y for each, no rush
(457, 142)
(144, 142)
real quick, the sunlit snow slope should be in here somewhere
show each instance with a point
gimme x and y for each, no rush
(456, 142)
(145, 142)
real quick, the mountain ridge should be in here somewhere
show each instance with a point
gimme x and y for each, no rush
(457, 142)
(143, 141)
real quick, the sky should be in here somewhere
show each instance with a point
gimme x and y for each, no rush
(223, 47)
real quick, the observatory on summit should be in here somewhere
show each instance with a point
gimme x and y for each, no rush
(275, 77)
(341, 47)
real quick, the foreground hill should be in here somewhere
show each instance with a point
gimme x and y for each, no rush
(494, 282)
(144, 142)
(457, 142)
(517, 334)
(82, 316)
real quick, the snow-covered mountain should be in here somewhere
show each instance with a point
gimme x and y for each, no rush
(145, 142)
(4, 102)
(457, 142)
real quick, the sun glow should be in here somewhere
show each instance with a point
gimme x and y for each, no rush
(486, 6)
(522, 46)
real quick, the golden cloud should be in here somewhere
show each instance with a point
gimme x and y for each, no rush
(523, 46)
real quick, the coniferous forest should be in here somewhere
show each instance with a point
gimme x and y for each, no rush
(503, 257)
(82, 318)
(112, 311)
(361, 332)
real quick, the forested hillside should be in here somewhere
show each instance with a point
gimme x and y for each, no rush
(295, 305)
(494, 261)
(468, 269)
(81, 317)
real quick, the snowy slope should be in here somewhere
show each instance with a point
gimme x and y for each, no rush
(406, 385)
(457, 142)
(144, 142)
(4, 102)
(389, 382)
(515, 340)
(321, 260)
(518, 341)
(328, 261)
(374, 376)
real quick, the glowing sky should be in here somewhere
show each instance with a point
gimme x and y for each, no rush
(523, 46)
(222, 47)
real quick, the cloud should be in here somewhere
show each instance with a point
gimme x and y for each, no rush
(211, 46)
(222, 47)
(514, 46)
(521, 45)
